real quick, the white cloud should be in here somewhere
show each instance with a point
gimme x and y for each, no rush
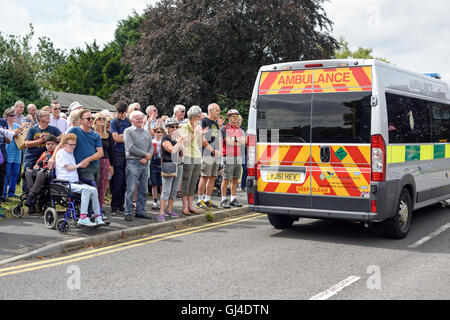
(412, 34)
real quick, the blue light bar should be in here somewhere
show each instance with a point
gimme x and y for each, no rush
(433, 75)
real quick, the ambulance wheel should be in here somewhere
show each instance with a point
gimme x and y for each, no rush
(50, 218)
(281, 221)
(398, 226)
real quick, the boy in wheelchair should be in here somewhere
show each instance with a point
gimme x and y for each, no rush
(66, 169)
(38, 175)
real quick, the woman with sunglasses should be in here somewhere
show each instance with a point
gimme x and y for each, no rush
(171, 151)
(107, 162)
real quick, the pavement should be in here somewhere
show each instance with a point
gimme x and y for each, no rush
(28, 238)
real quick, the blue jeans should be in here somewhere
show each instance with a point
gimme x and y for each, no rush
(136, 175)
(12, 174)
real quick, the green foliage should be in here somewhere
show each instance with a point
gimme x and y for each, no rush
(227, 104)
(95, 71)
(192, 51)
(20, 71)
(344, 52)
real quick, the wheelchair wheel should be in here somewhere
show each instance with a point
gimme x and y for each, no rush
(18, 211)
(50, 218)
(63, 226)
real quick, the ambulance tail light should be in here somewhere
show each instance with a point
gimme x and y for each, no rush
(378, 159)
(373, 206)
(251, 153)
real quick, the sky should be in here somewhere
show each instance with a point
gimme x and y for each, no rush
(413, 34)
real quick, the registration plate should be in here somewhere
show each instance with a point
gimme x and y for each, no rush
(286, 177)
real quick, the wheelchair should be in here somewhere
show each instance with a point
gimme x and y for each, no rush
(43, 198)
(61, 194)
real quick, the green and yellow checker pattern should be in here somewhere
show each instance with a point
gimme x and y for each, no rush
(409, 153)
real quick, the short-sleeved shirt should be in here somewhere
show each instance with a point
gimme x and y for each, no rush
(87, 144)
(64, 158)
(32, 154)
(14, 154)
(213, 134)
(43, 160)
(123, 124)
(193, 148)
(231, 132)
(60, 123)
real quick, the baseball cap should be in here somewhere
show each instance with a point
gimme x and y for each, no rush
(233, 112)
(74, 105)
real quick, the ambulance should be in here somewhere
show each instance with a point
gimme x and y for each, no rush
(356, 140)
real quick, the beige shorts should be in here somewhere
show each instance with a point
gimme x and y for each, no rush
(232, 171)
(210, 167)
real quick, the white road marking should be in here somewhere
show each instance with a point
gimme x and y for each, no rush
(430, 236)
(327, 294)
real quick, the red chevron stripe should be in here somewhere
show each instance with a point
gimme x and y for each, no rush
(269, 81)
(361, 77)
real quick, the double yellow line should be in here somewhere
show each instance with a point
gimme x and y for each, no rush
(122, 246)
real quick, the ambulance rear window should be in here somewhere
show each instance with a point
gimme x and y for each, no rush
(285, 118)
(343, 117)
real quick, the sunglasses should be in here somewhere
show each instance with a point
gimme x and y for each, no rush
(158, 131)
(173, 127)
(71, 144)
(88, 119)
(101, 119)
(11, 115)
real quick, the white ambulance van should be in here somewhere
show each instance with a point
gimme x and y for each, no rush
(357, 140)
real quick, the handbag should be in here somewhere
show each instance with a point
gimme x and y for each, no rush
(19, 139)
(169, 169)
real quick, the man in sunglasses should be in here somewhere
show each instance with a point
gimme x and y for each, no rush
(89, 149)
(55, 119)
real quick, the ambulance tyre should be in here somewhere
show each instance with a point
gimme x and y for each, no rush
(281, 221)
(398, 226)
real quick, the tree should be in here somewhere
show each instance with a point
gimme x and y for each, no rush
(95, 71)
(344, 52)
(19, 71)
(193, 51)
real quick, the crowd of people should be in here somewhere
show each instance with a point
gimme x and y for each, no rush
(129, 152)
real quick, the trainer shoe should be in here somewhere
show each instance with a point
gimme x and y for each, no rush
(173, 215)
(210, 204)
(225, 204)
(86, 222)
(202, 205)
(117, 212)
(235, 203)
(155, 206)
(99, 221)
(161, 218)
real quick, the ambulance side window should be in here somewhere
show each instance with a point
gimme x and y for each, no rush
(408, 119)
(440, 121)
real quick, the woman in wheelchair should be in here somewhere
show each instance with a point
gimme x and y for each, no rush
(66, 169)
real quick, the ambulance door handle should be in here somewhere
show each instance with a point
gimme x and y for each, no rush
(325, 154)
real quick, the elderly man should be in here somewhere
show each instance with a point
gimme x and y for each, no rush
(55, 118)
(179, 113)
(212, 151)
(74, 106)
(19, 108)
(152, 120)
(35, 141)
(139, 150)
(31, 117)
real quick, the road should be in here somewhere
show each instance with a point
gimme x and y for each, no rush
(245, 258)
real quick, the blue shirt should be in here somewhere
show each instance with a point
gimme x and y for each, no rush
(31, 155)
(87, 144)
(123, 124)
(14, 154)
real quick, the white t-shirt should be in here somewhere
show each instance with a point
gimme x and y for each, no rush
(63, 158)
